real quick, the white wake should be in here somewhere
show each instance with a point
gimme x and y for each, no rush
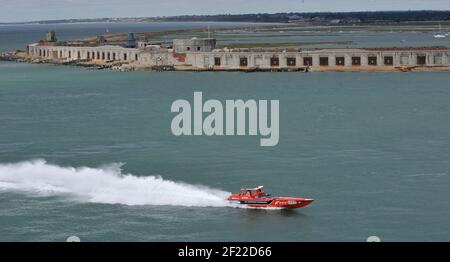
(106, 185)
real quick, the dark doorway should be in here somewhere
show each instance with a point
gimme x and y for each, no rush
(274, 61)
(307, 61)
(291, 61)
(356, 60)
(323, 61)
(217, 61)
(388, 60)
(243, 61)
(340, 61)
(373, 60)
(421, 60)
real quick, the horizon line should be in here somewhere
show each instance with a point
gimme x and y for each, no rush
(223, 14)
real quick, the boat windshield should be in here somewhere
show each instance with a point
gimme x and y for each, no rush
(254, 192)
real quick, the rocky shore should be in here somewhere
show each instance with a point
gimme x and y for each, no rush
(18, 56)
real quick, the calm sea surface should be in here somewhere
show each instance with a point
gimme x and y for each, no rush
(91, 154)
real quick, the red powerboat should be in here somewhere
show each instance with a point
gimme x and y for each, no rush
(255, 197)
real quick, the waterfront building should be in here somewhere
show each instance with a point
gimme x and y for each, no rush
(202, 54)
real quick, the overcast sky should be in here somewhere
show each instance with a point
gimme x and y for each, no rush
(31, 10)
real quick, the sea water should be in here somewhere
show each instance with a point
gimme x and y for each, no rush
(91, 154)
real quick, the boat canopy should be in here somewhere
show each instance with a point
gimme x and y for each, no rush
(252, 189)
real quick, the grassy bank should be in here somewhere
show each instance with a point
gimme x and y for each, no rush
(282, 44)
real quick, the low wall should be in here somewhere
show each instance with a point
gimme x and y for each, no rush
(320, 59)
(72, 53)
(316, 60)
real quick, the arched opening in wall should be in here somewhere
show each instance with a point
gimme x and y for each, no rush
(40, 52)
(421, 59)
(60, 54)
(109, 56)
(217, 61)
(307, 61)
(388, 60)
(136, 57)
(291, 61)
(125, 57)
(93, 55)
(114, 56)
(98, 55)
(70, 54)
(243, 61)
(43, 53)
(78, 55)
(103, 55)
(356, 61)
(188, 48)
(198, 48)
(340, 60)
(372, 60)
(88, 55)
(323, 61)
(274, 61)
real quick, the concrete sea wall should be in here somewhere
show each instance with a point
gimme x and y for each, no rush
(201, 55)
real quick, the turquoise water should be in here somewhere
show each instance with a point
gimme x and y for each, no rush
(371, 148)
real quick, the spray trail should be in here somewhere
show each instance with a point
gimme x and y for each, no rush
(105, 185)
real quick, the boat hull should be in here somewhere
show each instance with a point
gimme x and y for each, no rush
(275, 202)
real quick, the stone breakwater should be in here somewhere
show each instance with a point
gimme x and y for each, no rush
(14, 56)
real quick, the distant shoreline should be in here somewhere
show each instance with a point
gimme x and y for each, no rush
(343, 18)
(131, 22)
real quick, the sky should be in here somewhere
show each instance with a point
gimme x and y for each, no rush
(33, 10)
